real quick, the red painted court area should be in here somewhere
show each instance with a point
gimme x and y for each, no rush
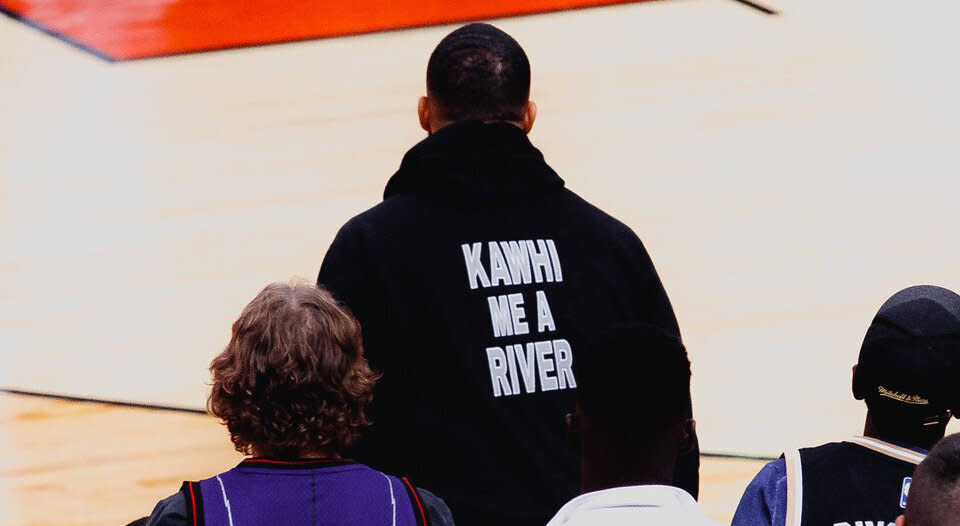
(131, 29)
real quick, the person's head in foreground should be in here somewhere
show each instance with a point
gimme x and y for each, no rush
(293, 381)
(477, 73)
(935, 490)
(631, 423)
(291, 386)
(908, 367)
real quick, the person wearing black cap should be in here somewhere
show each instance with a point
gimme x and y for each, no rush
(471, 281)
(907, 374)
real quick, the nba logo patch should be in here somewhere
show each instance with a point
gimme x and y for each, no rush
(904, 490)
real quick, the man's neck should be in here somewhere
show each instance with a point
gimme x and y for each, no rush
(923, 439)
(598, 481)
(605, 466)
(439, 125)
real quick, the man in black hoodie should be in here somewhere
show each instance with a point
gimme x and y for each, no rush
(473, 280)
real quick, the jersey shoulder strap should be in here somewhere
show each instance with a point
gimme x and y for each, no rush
(888, 449)
(794, 515)
(861, 480)
(194, 499)
(419, 511)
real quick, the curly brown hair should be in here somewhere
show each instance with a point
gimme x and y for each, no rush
(293, 379)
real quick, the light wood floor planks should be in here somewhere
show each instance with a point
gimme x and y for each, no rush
(81, 463)
(87, 464)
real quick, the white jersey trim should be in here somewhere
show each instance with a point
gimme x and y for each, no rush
(393, 500)
(888, 449)
(226, 501)
(794, 488)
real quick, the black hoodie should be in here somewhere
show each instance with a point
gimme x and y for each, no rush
(473, 280)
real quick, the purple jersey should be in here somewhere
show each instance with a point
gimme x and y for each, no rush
(303, 493)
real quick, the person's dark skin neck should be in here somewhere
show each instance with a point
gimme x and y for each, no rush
(914, 435)
(431, 116)
(921, 437)
(615, 456)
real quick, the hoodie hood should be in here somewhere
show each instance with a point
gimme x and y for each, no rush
(477, 162)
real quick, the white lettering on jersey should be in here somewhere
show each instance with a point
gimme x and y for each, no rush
(517, 314)
(555, 259)
(547, 365)
(527, 365)
(500, 316)
(544, 316)
(518, 261)
(544, 365)
(475, 271)
(561, 348)
(498, 266)
(540, 259)
(498, 371)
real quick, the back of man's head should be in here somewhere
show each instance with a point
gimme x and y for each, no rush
(634, 382)
(478, 72)
(934, 498)
(633, 402)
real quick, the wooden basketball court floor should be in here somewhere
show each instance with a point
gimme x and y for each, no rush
(787, 174)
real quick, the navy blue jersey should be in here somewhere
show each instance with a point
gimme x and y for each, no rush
(833, 475)
(851, 483)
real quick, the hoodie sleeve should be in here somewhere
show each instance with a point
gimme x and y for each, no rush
(656, 307)
(347, 273)
(344, 271)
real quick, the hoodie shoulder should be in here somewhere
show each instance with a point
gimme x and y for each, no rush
(383, 214)
(600, 221)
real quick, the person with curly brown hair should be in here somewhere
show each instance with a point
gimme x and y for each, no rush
(292, 386)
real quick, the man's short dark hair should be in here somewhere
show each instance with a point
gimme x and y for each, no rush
(934, 498)
(633, 373)
(478, 72)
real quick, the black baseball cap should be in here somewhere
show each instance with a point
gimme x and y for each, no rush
(909, 365)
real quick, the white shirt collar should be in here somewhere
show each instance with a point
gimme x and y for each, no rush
(634, 505)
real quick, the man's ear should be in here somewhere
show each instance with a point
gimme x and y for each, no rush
(423, 112)
(529, 115)
(857, 385)
(901, 520)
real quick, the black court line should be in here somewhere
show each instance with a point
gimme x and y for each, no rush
(759, 7)
(57, 35)
(119, 403)
(155, 407)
